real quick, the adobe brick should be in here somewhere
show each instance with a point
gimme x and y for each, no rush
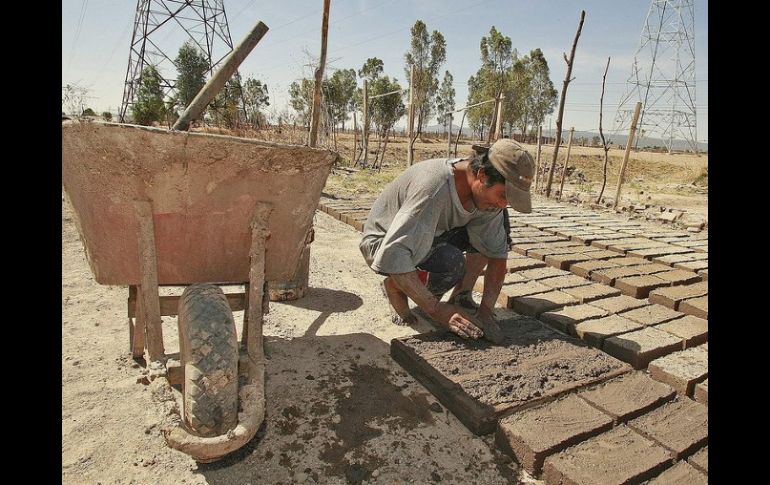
(680, 426)
(640, 347)
(628, 396)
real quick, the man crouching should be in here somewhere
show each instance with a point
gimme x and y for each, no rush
(425, 219)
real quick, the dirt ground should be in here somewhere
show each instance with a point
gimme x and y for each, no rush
(340, 410)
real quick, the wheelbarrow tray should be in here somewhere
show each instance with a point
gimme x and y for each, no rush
(203, 189)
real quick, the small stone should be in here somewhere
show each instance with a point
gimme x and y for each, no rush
(309, 377)
(435, 477)
(376, 473)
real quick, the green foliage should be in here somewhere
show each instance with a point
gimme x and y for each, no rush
(301, 99)
(191, 65)
(427, 54)
(255, 97)
(386, 110)
(225, 108)
(371, 69)
(596, 140)
(338, 94)
(107, 116)
(149, 104)
(445, 97)
(88, 112)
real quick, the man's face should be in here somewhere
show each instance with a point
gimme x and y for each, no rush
(488, 198)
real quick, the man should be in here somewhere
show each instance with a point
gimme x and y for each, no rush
(422, 222)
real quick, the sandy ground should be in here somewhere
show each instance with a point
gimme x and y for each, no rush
(340, 410)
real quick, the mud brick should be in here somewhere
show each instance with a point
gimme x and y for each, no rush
(523, 249)
(679, 277)
(701, 393)
(511, 292)
(649, 253)
(698, 307)
(541, 253)
(616, 457)
(693, 330)
(617, 304)
(681, 370)
(566, 281)
(629, 261)
(601, 254)
(640, 243)
(349, 216)
(358, 225)
(672, 259)
(534, 305)
(519, 264)
(640, 347)
(564, 261)
(533, 434)
(610, 240)
(652, 314)
(700, 459)
(704, 273)
(525, 239)
(680, 426)
(608, 276)
(693, 266)
(639, 286)
(680, 474)
(566, 318)
(585, 268)
(673, 296)
(591, 292)
(542, 273)
(628, 396)
(594, 332)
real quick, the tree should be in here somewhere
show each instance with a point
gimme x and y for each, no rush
(496, 57)
(427, 54)
(255, 97)
(149, 104)
(225, 108)
(88, 112)
(301, 99)
(73, 98)
(385, 111)
(542, 99)
(445, 98)
(107, 116)
(191, 65)
(371, 69)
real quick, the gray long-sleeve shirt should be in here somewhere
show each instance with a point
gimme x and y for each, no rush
(417, 206)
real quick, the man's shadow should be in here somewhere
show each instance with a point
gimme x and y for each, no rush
(326, 301)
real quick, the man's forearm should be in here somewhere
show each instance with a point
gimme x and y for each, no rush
(493, 282)
(414, 288)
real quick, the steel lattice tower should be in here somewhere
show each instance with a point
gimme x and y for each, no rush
(156, 21)
(663, 76)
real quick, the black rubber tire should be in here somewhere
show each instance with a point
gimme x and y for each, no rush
(209, 357)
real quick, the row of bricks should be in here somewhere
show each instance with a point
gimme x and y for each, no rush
(625, 430)
(632, 330)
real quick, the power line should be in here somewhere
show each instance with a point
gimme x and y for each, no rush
(77, 32)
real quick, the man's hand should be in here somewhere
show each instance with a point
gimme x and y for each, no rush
(452, 317)
(488, 322)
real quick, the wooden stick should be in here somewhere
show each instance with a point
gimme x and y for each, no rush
(410, 120)
(537, 163)
(630, 142)
(148, 289)
(365, 129)
(252, 335)
(319, 75)
(136, 325)
(567, 80)
(566, 161)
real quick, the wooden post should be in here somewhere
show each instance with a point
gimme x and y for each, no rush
(567, 80)
(365, 129)
(319, 74)
(449, 137)
(136, 325)
(499, 121)
(252, 331)
(630, 142)
(355, 139)
(410, 121)
(148, 289)
(566, 161)
(537, 162)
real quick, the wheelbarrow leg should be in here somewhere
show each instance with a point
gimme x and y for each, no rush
(251, 337)
(148, 308)
(136, 327)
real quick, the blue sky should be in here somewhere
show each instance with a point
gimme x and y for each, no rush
(95, 50)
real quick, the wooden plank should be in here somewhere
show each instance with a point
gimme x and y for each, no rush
(169, 304)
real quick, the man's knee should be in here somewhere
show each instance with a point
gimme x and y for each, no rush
(442, 269)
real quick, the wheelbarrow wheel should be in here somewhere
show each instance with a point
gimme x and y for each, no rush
(209, 356)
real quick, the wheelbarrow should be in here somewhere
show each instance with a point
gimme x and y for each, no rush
(172, 208)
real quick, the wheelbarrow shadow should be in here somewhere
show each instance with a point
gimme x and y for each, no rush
(326, 301)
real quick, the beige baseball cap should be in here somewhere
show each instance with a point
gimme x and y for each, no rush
(515, 164)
